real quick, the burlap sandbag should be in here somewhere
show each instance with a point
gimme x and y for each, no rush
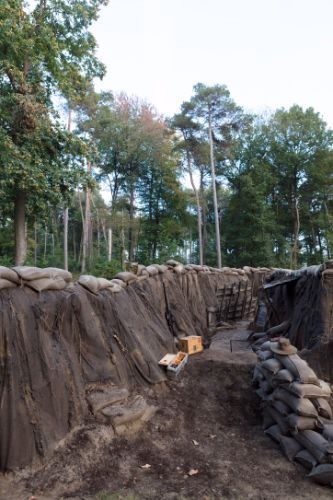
(126, 276)
(264, 355)
(115, 289)
(173, 263)
(278, 419)
(55, 272)
(328, 431)
(104, 283)
(271, 365)
(9, 274)
(299, 368)
(310, 390)
(281, 407)
(43, 284)
(301, 406)
(274, 432)
(290, 447)
(316, 444)
(119, 282)
(257, 375)
(305, 458)
(152, 270)
(29, 273)
(283, 376)
(323, 408)
(297, 423)
(268, 420)
(89, 282)
(4, 283)
(322, 474)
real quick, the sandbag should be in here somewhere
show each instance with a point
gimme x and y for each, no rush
(121, 283)
(29, 273)
(4, 283)
(299, 368)
(89, 282)
(43, 284)
(104, 283)
(55, 272)
(152, 270)
(306, 459)
(126, 276)
(266, 346)
(323, 408)
(115, 289)
(278, 419)
(173, 263)
(322, 474)
(9, 274)
(274, 432)
(179, 269)
(328, 432)
(268, 420)
(281, 407)
(310, 390)
(266, 386)
(316, 444)
(290, 447)
(272, 365)
(297, 423)
(283, 376)
(301, 406)
(264, 355)
(257, 375)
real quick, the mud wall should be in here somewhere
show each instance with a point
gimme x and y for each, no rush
(56, 345)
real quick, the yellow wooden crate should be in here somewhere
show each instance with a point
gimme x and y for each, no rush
(191, 344)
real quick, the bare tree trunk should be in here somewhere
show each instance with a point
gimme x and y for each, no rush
(65, 215)
(216, 214)
(86, 226)
(197, 199)
(130, 227)
(45, 242)
(66, 238)
(109, 244)
(296, 224)
(19, 222)
(35, 242)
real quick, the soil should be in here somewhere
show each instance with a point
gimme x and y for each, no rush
(205, 442)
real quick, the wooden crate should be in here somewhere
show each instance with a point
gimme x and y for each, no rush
(191, 344)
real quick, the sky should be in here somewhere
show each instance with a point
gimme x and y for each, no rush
(269, 53)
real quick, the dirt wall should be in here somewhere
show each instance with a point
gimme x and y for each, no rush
(55, 346)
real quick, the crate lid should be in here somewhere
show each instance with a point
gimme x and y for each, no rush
(167, 359)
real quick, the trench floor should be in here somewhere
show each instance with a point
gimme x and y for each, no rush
(205, 442)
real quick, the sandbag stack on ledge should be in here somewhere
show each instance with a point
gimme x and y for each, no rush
(296, 408)
(50, 278)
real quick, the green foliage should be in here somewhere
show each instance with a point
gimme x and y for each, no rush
(106, 269)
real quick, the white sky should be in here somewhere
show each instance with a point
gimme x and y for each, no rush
(270, 53)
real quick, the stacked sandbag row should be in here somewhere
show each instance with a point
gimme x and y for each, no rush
(296, 407)
(50, 278)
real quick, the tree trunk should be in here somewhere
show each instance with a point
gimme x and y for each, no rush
(130, 227)
(19, 222)
(109, 244)
(216, 214)
(197, 199)
(66, 239)
(296, 227)
(86, 224)
(65, 215)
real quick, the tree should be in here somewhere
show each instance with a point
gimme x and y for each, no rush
(217, 116)
(299, 153)
(45, 51)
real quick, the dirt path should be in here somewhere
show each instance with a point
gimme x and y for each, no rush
(205, 442)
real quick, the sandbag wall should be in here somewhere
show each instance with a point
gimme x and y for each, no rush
(297, 410)
(305, 298)
(58, 339)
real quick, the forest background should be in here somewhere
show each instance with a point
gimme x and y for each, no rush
(260, 187)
